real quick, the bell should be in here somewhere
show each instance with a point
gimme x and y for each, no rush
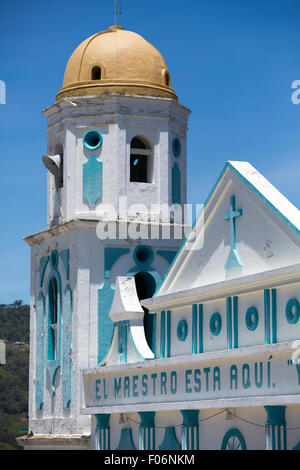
(53, 163)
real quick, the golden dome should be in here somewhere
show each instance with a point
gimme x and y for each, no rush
(116, 61)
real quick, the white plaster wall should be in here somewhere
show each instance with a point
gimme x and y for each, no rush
(258, 227)
(118, 119)
(213, 425)
(245, 336)
(179, 348)
(285, 330)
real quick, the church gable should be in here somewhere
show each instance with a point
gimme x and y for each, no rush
(246, 227)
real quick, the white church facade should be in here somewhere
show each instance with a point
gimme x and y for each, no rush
(138, 340)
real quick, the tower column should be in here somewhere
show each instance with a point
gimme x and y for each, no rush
(275, 428)
(147, 431)
(102, 437)
(190, 430)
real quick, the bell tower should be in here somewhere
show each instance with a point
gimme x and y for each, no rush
(116, 179)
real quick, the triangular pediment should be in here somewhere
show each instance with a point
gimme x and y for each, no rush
(246, 227)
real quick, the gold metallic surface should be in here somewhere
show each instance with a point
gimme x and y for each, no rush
(129, 64)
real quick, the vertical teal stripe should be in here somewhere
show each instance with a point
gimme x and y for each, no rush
(168, 333)
(187, 429)
(154, 339)
(162, 333)
(235, 322)
(194, 329)
(274, 316)
(229, 323)
(200, 328)
(267, 315)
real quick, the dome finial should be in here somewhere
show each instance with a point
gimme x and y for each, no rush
(117, 12)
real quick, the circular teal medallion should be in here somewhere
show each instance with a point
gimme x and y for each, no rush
(92, 140)
(182, 330)
(215, 324)
(292, 311)
(251, 318)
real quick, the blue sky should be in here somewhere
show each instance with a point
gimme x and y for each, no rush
(231, 62)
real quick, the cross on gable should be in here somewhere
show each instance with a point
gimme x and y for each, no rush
(233, 260)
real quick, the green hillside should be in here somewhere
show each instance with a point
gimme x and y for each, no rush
(14, 328)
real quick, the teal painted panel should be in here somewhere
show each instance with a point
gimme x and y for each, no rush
(54, 297)
(122, 341)
(176, 184)
(111, 255)
(43, 264)
(167, 255)
(92, 180)
(40, 351)
(170, 441)
(126, 441)
(66, 347)
(64, 256)
(105, 324)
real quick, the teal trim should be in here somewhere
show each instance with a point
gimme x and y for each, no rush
(43, 265)
(195, 329)
(147, 430)
(145, 269)
(40, 351)
(111, 256)
(122, 341)
(251, 318)
(168, 333)
(167, 255)
(92, 180)
(54, 259)
(176, 147)
(228, 166)
(292, 311)
(176, 184)
(163, 334)
(67, 347)
(92, 140)
(235, 322)
(229, 322)
(182, 330)
(215, 324)
(274, 315)
(102, 432)
(126, 440)
(233, 440)
(233, 260)
(102, 420)
(267, 315)
(200, 328)
(54, 348)
(170, 441)
(143, 255)
(275, 422)
(263, 198)
(105, 324)
(154, 337)
(65, 257)
(190, 430)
